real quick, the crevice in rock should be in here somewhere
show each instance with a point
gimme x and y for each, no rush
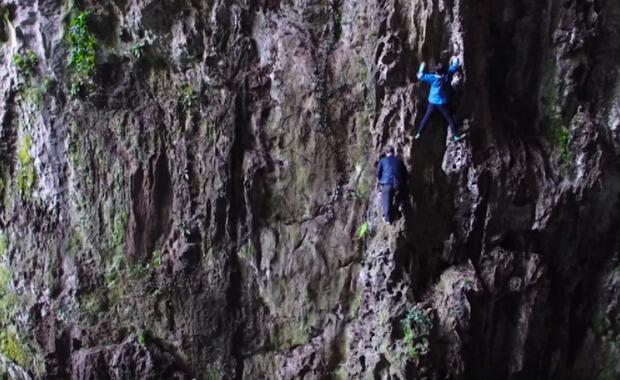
(236, 221)
(151, 197)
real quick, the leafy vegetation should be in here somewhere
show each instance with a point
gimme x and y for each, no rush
(560, 138)
(247, 251)
(189, 97)
(417, 327)
(26, 63)
(566, 155)
(82, 50)
(142, 336)
(137, 49)
(557, 133)
(363, 230)
(212, 374)
(156, 260)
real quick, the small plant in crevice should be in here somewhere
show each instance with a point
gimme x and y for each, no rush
(26, 63)
(560, 139)
(212, 374)
(557, 133)
(137, 49)
(566, 155)
(417, 326)
(82, 48)
(156, 260)
(142, 338)
(189, 97)
(247, 251)
(363, 230)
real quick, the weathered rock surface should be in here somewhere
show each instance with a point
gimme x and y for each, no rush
(183, 183)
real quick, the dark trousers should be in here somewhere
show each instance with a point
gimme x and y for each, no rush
(388, 193)
(444, 111)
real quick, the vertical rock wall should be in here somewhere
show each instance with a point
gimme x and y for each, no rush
(187, 190)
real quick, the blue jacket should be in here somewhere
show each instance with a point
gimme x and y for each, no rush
(392, 171)
(436, 95)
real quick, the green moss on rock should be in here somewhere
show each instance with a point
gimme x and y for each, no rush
(3, 244)
(118, 229)
(26, 173)
(13, 349)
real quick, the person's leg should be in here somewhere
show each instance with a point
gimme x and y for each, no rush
(385, 200)
(426, 118)
(446, 114)
(387, 193)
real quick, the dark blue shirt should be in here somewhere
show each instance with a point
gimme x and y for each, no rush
(391, 170)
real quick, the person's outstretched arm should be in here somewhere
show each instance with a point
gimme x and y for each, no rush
(454, 65)
(424, 77)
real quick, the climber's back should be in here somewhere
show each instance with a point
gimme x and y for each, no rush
(391, 170)
(440, 83)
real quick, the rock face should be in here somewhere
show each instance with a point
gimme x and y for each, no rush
(187, 190)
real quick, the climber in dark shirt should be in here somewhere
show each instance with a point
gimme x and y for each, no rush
(392, 177)
(438, 95)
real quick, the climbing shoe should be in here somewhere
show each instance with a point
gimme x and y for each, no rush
(456, 138)
(417, 136)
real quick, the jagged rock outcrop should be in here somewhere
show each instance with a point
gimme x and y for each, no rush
(187, 190)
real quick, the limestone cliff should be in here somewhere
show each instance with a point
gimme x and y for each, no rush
(187, 190)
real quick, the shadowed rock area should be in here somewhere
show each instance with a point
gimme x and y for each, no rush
(187, 190)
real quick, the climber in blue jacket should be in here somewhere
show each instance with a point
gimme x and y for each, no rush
(438, 95)
(392, 177)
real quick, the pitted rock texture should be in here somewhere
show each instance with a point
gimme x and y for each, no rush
(200, 203)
